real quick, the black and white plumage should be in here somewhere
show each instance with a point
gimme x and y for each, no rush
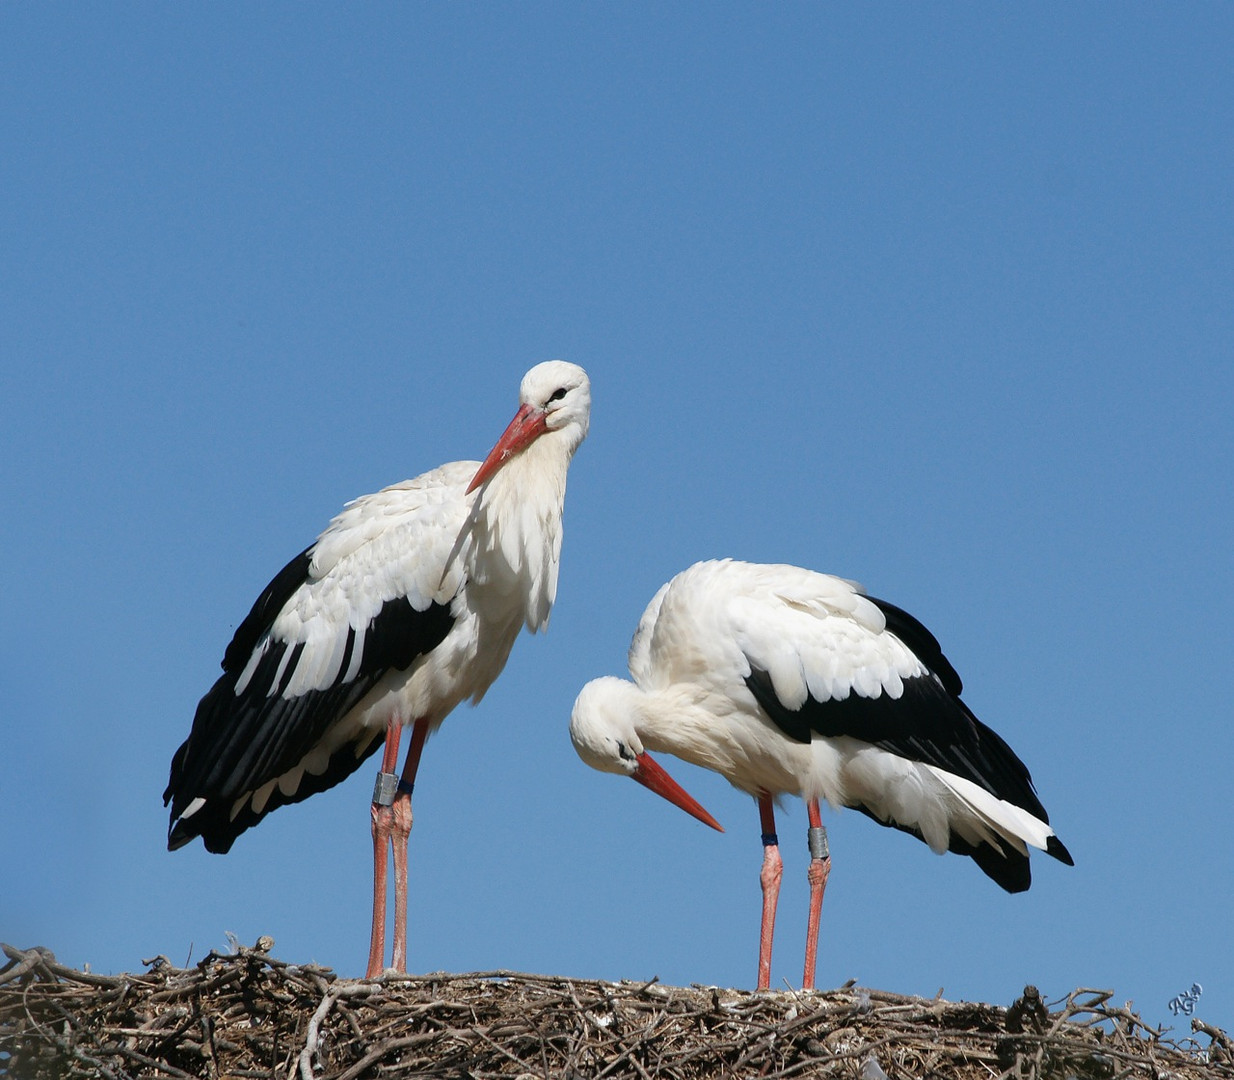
(406, 604)
(787, 681)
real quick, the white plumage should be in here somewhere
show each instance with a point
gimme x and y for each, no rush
(791, 682)
(406, 604)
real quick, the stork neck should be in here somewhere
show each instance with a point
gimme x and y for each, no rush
(517, 528)
(678, 720)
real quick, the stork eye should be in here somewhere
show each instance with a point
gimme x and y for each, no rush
(556, 395)
(624, 752)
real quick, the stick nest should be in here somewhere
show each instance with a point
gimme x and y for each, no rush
(247, 1014)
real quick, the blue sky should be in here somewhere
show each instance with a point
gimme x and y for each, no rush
(934, 297)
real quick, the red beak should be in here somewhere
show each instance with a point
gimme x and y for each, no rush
(651, 775)
(526, 427)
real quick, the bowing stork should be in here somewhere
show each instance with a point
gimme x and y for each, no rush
(406, 604)
(790, 682)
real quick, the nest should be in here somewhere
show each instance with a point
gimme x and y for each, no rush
(247, 1014)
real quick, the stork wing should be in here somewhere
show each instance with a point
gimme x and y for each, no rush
(376, 592)
(836, 665)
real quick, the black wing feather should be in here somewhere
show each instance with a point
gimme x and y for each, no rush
(1008, 868)
(930, 724)
(924, 724)
(923, 644)
(265, 610)
(241, 741)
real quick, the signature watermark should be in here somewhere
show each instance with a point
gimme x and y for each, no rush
(1185, 1002)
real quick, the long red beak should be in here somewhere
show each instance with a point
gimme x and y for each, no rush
(526, 427)
(651, 775)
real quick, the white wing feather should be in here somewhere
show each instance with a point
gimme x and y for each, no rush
(394, 543)
(814, 634)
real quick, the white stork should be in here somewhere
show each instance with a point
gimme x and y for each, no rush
(786, 681)
(408, 603)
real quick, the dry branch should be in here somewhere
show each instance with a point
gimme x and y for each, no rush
(249, 1015)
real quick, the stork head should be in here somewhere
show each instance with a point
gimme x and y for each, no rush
(603, 728)
(554, 398)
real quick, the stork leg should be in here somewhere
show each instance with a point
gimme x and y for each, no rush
(382, 812)
(398, 840)
(391, 813)
(820, 868)
(773, 869)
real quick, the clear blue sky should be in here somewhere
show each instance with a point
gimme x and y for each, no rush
(939, 298)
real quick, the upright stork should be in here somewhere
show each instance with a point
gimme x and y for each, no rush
(790, 682)
(406, 604)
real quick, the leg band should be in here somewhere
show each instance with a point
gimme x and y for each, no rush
(384, 789)
(818, 842)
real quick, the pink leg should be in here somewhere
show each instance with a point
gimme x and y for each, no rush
(383, 822)
(772, 871)
(398, 839)
(820, 868)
